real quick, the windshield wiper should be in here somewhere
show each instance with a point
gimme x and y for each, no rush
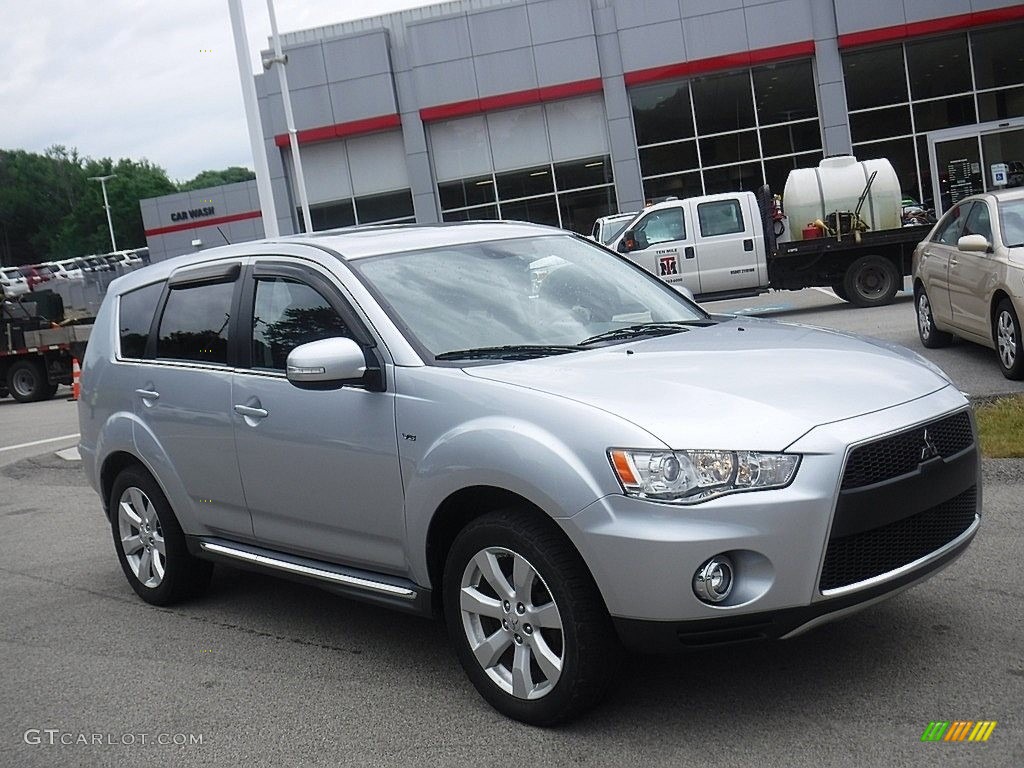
(647, 329)
(507, 352)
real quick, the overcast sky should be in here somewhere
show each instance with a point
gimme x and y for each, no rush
(133, 78)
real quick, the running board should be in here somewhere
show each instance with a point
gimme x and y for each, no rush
(363, 585)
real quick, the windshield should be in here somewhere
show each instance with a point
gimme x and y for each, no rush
(1011, 222)
(615, 227)
(542, 292)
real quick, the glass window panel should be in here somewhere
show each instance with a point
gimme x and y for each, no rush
(998, 56)
(581, 209)
(958, 163)
(459, 148)
(733, 178)
(583, 173)
(337, 214)
(723, 103)
(1000, 105)
(325, 169)
(938, 67)
(459, 194)
(667, 158)
(874, 77)
(484, 212)
(662, 226)
(944, 113)
(682, 185)
(519, 138)
(661, 112)
(722, 217)
(377, 163)
(541, 210)
(899, 152)
(577, 127)
(392, 205)
(195, 322)
(785, 92)
(286, 314)
(777, 171)
(880, 123)
(525, 182)
(925, 174)
(791, 138)
(730, 148)
(136, 317)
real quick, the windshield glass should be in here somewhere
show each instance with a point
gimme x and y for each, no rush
(1011, 222)
(615, 227)
(541, 291)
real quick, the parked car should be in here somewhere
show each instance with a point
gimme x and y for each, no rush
(94, 264)
(969, 277)
(607, 228)
(36, 275)
(67, 269)
(405, 415)
(13, 282)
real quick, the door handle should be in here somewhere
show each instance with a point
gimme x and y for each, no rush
(953, 262)
(689, 252)
(748, 245)
(147, 394)
(250, 412)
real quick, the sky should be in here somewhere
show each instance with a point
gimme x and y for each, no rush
(153, 79)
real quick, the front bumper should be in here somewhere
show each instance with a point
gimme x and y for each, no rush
(643, 555)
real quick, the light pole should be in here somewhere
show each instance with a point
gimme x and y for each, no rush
(106, 204)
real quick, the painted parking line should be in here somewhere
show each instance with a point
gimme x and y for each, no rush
(38, 442)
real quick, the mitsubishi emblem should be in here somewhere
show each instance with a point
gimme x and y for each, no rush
(928, 450)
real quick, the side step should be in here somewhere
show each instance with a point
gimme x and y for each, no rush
(368, 586)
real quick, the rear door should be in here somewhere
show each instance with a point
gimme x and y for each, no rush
(972, 276)
(664, 247)
(726, 244)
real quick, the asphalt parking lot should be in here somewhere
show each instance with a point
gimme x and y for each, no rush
(266, 672)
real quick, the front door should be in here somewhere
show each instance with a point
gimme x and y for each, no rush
(319, 466)
(972, 276)
(664, 248)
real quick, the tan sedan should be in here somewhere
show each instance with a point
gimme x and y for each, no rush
(969, 277)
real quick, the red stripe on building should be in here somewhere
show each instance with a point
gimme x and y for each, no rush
(342, 130)
(721, 63)
(507, 100)
(932, 26)
(200, 223)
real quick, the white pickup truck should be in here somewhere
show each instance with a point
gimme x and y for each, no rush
(724, 246)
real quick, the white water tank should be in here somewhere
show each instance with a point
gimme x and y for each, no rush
(836, 185)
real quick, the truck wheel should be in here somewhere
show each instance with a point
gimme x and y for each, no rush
(529, 625)
(871, 281)
(26, 381)
(840, 291)
(1009, 344)
(931, 337)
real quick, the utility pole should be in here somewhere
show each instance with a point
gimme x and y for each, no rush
(106, 204)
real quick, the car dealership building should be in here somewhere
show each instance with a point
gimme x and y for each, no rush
(560, 111)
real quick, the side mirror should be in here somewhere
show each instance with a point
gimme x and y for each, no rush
(334, 361)
(974, 244)
(628, 242)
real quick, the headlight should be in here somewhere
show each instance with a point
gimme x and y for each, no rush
(689, 477)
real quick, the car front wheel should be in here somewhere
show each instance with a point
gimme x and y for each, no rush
(1007, 331)
(529, 625)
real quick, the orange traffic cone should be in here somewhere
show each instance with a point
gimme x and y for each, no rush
(76, 378)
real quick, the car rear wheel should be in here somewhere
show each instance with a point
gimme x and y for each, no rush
(150, 544)
(528, 623)
(930, 336)
(871, 281)
(1009, 344)
(26, 381)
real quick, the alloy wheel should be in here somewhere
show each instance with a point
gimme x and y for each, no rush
(924, 316)
(142, 537)
(1006, 338)
(512, 623)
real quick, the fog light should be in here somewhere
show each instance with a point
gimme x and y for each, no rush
(712, 582)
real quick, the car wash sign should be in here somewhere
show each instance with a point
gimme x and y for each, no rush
(193, 213)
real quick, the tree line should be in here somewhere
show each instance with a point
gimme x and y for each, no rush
(49, 209)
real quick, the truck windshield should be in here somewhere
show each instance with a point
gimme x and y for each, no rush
(546, 294)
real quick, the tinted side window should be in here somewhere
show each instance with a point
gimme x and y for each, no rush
(948, 232)
(195, 322)
(978, 222)
(135, 316)
(286, 314)
(662, 227)
(720, 218)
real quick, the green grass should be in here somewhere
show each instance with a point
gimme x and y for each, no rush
(1001, 427)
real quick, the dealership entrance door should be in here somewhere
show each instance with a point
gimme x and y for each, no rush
(975, 158)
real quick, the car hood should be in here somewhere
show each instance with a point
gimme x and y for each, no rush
(742, 384)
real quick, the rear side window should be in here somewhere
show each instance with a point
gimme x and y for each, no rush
(722, 217)
(194, 325)
(286, 314)
(135, 317)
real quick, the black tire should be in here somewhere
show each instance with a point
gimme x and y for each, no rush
(3, 392)
(184, 576)
(840, 291)
(1006, 332)
(871, 281)
(26, 381)
(931, 337)
(586, 640)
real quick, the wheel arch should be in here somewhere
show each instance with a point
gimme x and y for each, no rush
(997, 298)
(114, 465)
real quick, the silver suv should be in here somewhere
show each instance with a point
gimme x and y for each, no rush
(513, 427)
